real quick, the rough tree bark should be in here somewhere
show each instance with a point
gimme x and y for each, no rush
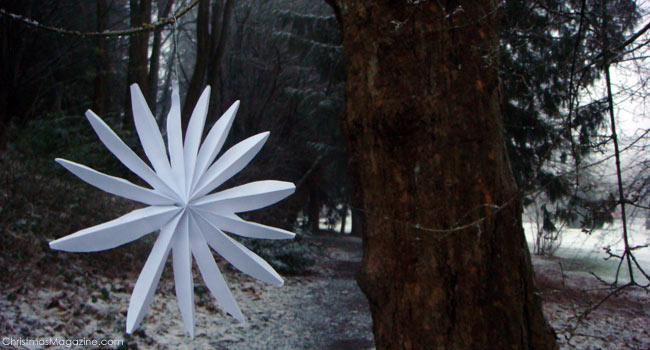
(425, 133)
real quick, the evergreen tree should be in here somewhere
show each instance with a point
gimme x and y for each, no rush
(315, 45)
(284, 62)
(549, 56)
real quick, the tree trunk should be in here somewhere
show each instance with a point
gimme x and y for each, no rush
(212, 27)
(140, 12)
(344, 216)
(165, 100)
(445, 262)
(7, 77)
(101, 75)
(221, 22)
(357, 223)
(4, 118)
(200, 66)
(313, 212)
(154, 59)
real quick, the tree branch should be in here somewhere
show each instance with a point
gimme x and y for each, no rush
(107, 33)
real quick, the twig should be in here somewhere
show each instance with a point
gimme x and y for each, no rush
(621, 193)
(589, 310)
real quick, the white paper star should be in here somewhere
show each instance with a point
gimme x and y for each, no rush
(189, 218)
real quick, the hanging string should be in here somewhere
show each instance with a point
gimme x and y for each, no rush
(107, 33)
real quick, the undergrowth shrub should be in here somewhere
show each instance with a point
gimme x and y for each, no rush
(287, 257)
(41, 201)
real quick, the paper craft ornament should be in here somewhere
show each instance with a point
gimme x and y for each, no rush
(180, 205)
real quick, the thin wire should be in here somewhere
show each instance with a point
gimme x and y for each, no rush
(107, 33)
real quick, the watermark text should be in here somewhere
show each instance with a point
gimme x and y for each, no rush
(57, 341)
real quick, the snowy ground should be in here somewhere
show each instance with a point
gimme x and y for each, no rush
(584, 252)
(569, 288)
(322, 310)
(622, 322)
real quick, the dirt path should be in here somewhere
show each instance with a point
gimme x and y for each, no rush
(346, 322)
(325, 310)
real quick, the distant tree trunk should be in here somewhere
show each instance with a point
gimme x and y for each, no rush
(101, 76)
(221, 21)
(425, 131)
(200, 66)
(212, 28)
(4, 117)
(357, 222)
(165, 100)
(154, 59)
(17, 95)
(137, 70)
(313, 211)
(344, 216)
(315, 202)
(357, 198)
(7, 78)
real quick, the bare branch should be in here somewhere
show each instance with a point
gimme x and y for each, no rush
(107, 33)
